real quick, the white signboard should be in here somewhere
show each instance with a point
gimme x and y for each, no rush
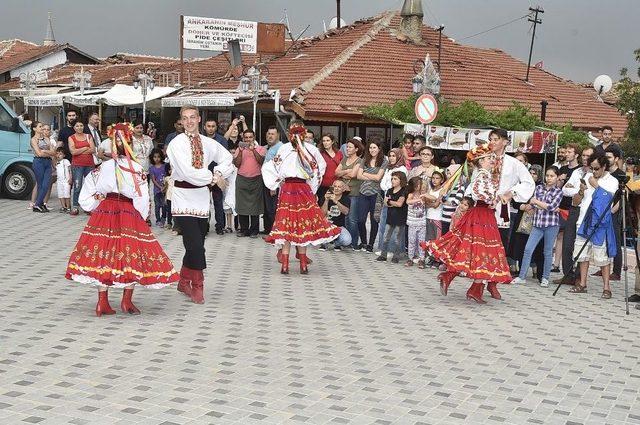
(178, 102)
(213, 34)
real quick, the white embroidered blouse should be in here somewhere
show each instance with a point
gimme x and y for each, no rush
(103, 180)
(286, 164)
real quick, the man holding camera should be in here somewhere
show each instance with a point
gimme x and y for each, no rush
(336, 207)
(596, 240)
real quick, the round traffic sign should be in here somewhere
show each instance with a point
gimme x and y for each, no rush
(426, 108)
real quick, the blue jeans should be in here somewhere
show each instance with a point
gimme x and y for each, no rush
(78, 172)
(549, 234)
(344, 239)
(367, 207)
(160, 207)
(352, 220)
(42, 170)
(393, 237)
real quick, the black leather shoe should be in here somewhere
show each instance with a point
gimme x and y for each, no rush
(635, 298)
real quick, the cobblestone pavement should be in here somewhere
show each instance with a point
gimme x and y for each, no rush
(355, 341)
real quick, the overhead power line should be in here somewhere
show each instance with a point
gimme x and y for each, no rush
(496, 27)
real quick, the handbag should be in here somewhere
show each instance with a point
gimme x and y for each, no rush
(526, 223)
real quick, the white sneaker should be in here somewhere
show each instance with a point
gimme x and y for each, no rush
(518, 281)
(544, 283)
(378, 253)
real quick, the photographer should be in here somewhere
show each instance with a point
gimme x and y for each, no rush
(336, 208)
(595, 237)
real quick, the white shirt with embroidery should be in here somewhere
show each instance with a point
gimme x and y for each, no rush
(286, 164)
(195, 202)
(102, 180)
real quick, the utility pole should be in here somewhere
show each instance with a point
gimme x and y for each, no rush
(338, 13)
(535, 21)
(440, 29)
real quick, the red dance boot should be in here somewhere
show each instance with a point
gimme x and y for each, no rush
(103, 307)
(492, 287)
(298, 257)
(445, 280)
(475, 292)
(126, 305)
(284, 259)
(304, 262)
(184, 284)
(197, 287)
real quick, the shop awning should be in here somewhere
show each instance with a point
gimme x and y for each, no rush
(58, 99)
(123, 95)
(213, 99)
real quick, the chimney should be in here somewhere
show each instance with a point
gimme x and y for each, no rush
(411, 21)
(49, 39)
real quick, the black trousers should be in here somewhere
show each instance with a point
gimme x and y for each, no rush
(270, 205)
(568, 241)
(249, 229)
(504, 237)
(218, 208)
(617, 227)
(193, 232)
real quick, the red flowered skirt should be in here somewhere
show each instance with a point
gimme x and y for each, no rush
(299, 220)
(473, 248)
(117, 249)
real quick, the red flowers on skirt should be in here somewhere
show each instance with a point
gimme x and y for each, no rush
(299, 220)
(473, 248)
(116, 248)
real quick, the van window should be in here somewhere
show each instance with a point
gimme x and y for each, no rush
(5, 120)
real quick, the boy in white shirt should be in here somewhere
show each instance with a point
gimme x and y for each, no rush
(63, 182)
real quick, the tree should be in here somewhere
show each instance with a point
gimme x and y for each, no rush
(629, 105)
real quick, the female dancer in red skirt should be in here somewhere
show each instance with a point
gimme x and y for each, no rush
(473, 247)
(297, 170)
(116, 248)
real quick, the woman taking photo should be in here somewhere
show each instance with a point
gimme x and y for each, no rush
(373, 166)
(347, 171)
(42, 163)
(82, 149)
(332, 156)
(396, 163)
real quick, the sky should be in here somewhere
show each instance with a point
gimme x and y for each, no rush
(577, 40)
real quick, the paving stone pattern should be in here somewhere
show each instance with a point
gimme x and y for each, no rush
(355, 341)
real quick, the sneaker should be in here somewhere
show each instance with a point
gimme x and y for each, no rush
(369, 248)
(544, 283)
(337, 248)
(74, 211)
(382, 258)
(394, 260)
(378, 253)
(322, 247)
(555, 269)
(518, 281)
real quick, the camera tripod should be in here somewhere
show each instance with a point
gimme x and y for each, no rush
(620, 195)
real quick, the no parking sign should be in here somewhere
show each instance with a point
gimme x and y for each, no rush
(426, 108)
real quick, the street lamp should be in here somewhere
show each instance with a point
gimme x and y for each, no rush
(255, 82)
(144, 81)
(81, 80)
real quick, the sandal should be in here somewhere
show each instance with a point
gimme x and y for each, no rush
(606, 295)
(578, 289)
(409, 263)
(421, 264)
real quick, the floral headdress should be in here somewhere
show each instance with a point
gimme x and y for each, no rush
(123, 133)
(307, 163)
(478, 152)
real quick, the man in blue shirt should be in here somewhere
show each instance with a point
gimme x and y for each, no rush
(177, 125)
(211, 131)
(271, 196)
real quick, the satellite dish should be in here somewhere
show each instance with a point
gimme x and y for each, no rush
(602, 84)
(333, 24)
